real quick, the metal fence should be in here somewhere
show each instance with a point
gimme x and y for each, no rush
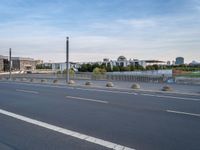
(90, 76)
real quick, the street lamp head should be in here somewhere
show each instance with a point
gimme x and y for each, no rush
(67, 38)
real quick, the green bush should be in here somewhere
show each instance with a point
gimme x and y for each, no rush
(99, 71)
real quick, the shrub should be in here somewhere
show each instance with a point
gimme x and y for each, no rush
(99, 71)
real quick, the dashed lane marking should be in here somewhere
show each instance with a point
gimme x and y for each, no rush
(87, 99)
(27, 91)
(183, 113)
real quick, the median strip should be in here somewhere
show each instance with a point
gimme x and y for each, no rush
(183, 113)
(27, 91)
(71, 133)
(87, 99)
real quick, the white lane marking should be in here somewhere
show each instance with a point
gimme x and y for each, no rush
(74, 134)
(107, 91)
(183, 113)
(173, 97)
(27, 91)
(88, 99)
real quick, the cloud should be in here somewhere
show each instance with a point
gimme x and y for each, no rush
(40, 31)
(138, 23)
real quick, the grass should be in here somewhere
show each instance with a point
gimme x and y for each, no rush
(191, 75)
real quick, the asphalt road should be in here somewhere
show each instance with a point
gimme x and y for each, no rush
(137, 120)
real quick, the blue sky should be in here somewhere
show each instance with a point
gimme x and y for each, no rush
(143, 29)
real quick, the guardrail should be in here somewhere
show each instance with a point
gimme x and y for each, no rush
(90, 76)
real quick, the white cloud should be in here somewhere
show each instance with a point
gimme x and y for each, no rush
(138, 23)
(152, 38)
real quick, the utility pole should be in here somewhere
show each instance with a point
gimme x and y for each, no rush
(67, 60)
(10, 66)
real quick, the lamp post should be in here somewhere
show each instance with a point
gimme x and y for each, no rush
(10, 63)
(67, 60)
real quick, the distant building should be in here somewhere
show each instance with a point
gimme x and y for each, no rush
(1, 64)
(168, 63)
(17, 63)
(23, 64)
(62, 66)
(194, 63)
(152, 62)
(179, 61)
(4, 63)
(39, 62)
(123, 62)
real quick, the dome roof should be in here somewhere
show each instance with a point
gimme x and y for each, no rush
(121, 58)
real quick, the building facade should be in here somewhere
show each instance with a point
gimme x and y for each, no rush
(1, 65)
(4, 63)
(23, 64)
(62, 66)
(179, 61)
(123, 62)
(17, 63)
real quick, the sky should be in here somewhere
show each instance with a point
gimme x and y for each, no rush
(136, 29)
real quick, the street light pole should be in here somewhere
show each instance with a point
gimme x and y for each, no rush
(67, 60)
(10, 67)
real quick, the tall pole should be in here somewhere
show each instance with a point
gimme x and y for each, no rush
(10, 66)
(67, 60)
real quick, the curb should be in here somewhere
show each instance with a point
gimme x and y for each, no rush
(111, 88)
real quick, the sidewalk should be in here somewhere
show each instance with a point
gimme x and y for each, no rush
(146, 86)
(123, 85)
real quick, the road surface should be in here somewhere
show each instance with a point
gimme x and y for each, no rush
(36, 116)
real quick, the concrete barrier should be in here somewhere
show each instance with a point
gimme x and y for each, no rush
(109, 84)
(88, 83)
(167, 88)
(55, 81)
(71, 82)
(43, 80)
(135, 86)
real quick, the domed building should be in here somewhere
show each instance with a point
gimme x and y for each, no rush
(121, 58)
(122, 61)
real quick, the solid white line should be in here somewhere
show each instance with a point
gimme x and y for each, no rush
(88, 99)
(66, 131)
(173, 97)
(107, 91)
(27, 91)
(183, 113)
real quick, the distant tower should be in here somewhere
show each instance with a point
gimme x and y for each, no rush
(179, 61)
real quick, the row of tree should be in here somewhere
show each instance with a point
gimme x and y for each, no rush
(90, 67)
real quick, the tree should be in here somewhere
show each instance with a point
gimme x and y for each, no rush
(71, 72)
(99, 71)
(116, 68)
(155, 67)
(83, 68)
(125, 68)
(108, 68)
(133, 68)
